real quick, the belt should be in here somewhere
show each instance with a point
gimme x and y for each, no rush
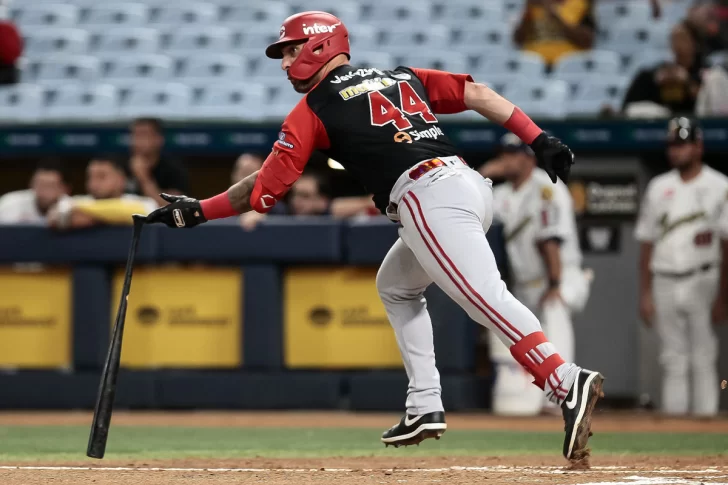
(428, 165)
(686, 274)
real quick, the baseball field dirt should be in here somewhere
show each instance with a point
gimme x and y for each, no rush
(194, 448)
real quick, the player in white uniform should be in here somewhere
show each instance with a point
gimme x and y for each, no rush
(545, 262)
(683, 228)
(30, 206)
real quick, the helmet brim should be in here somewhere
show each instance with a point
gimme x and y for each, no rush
(275, 50)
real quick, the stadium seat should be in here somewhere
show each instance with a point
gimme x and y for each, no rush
(347, 10)
(482, 41)
(512, 10)
(648, 58)
(138, 68)
(614, 12)
(255, 38)
(62, 69)
(363, 37)
(403, 40)
(524, 64)
(440, 60)
(630, 37)
(249, 14)
(163, 100)
(127, 40)
(176, 15)
(460, 12)
(399, 11)
(281, 103)
(496, 81)
(238, 101)
(370, 59)
(82, 102)
(591, 96)
(199, 38)
(60, 40)
(117, 14)
(210, 66)
(21, 103)
(539, 99)
(575, 67)
(31, 15)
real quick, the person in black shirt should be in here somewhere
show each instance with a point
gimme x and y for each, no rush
(152, 171)
(674, 84)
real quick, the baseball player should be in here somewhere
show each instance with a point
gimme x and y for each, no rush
(381, 126)
(683, 228)
(544, 256)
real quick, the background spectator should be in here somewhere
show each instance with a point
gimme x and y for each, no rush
(152, 171)
(11, 48)
(553, 28)
(672, 85)
(710, 19)
(246, 164)
(47, 186)
(106, 202)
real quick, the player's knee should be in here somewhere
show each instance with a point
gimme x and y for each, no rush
(390, 289)
(675, 365)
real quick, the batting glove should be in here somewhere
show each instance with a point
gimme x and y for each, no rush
(182, 211)
(553, 156)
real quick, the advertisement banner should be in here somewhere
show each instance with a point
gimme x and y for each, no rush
(181, 317)
(334, 319)
(35, 318)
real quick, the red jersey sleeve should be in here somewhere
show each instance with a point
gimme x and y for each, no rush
(445, 89)
(302, 133)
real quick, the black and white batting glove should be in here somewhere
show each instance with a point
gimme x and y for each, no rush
(182, 211)
(553, 156)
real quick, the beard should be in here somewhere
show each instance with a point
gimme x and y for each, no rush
(303, 86)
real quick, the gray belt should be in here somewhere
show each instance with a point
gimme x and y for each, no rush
(702, 269)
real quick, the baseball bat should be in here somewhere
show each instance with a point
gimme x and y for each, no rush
(107, 388)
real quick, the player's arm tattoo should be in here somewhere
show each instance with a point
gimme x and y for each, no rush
(239, 194)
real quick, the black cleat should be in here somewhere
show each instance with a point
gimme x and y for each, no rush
(412, 430)
(577, 411)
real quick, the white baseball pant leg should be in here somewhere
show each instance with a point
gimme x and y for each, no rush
(689, 344)
(444, 216)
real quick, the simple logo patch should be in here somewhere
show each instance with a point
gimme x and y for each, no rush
(282, 141)
(402, 137)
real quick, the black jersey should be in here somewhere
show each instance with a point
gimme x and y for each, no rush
(376, 123)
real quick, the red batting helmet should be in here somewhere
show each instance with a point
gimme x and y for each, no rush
(321, 31)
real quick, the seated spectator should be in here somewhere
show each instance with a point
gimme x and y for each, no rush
(152, 172)
(553, 28)
(309, 196)
(11, 48)
(48, 185)
(671, 85)
(106, 202)
(246, 164)
(710, 19)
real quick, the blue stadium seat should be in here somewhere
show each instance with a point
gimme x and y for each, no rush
(591, 96)
(482, 41)
(609, 12)
(580, 64)
(347, 10)
(630, 37)
(199, 38)
(363, 37)
(138, 68)
(63, 69)
(459, 12)
(440, 60)
(31, 15)
(163, 100)
(21, 103)
(127, 40)
(117, 14)
(512, 10)
(378, 60)
(414, 13)
(50, 40)
(178, 14)
(539, 99)
(282, 102)
(524, 64)
(98, 102)
(211, 66)
(400, 39)
(496, 81)
(271, 13)
(648, 58)
(238, 101)
(256, 37)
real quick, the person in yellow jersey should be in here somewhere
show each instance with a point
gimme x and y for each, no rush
(553, 28)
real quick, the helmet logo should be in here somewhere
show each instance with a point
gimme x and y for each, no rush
(282, 32)
(319, 29)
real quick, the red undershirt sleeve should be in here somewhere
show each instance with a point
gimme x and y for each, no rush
(302, 133)
(445, 90)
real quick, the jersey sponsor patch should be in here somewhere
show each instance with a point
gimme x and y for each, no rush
(547, 193)
(282, 141)
(370, 85)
